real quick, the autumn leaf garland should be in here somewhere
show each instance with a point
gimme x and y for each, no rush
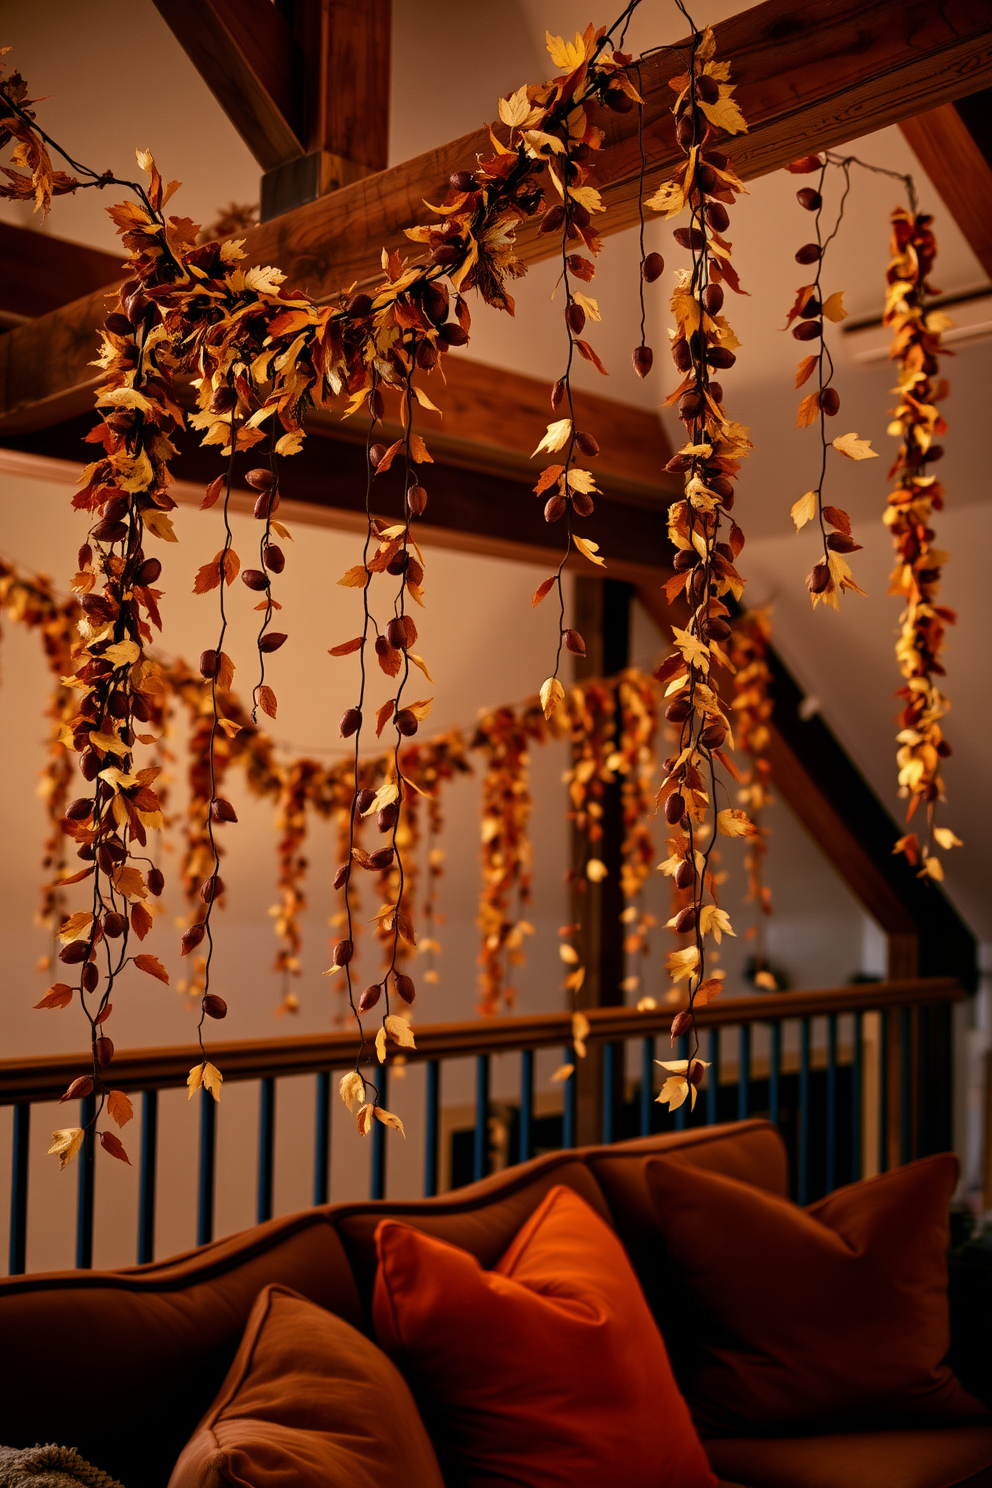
(916, 578)
(703, 343)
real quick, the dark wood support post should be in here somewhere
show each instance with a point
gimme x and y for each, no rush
(602, 616)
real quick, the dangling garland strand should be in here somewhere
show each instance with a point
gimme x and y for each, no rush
(918, 494)
(702, 342)
(753, 706)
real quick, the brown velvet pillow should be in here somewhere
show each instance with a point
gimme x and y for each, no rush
(830, 1316)
(308, 1401)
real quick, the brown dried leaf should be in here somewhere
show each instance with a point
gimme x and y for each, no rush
(267, 700)
(114, 1146)
(542, 591)
(141, 920)
(383, 716)
(347, 647)
(58, 996)
(153, 966)
(119, 1107)
(805, 370)
(808, 410)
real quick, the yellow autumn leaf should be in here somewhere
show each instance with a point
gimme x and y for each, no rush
(934, 869)
(65, 1144)
(388, 1119)
(365, 1118)
(108, 744)
(514, 110)
(76, 926)
(807, 411)
(566, 54)
(589, 305)
(291, 443)
(644, 1004)
(229, 726)
(123, 653)
(715, 921)
(725, 113)
(130, 882)
(945, 838)
(569, 955)
(159, 523)
(804, 510)
(596, 870)
(384, 796)
(380, 1048)
(673, 1092)
(681, 964)
(399, 1029)
(589, 550)
(555, 438)
(563, 1072)
(580, 1032)
(734, 823)
(765, 981)
(833, 306)
(694, 651)
(552, 693)
(855, 448)
(421, 709)
(419, 661)
(669, 199)
(352, 1089)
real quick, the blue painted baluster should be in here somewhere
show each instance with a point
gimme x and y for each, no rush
(775, 1072)
(905, 1085)
(379, 1137)
(17, 1254)
(857, 1081)
(148, 1178)
(647, 1084)
(432, 1127)
(682, 1112)
(568, 1098)
(322, 1138)
(480, 1142)
(713, 1077)
(610, 1053)
(525, 1147)
(208, 1164)
(802, 1134)
(883, 1091)
(743, 1071)
(84, 1194)
(266, 1147)
(831, 1163)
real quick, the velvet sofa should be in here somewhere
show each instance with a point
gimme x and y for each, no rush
(123, 1364)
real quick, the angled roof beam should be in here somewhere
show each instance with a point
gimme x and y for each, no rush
(953, 144)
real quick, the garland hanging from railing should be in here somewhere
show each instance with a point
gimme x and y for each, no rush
(916, 578)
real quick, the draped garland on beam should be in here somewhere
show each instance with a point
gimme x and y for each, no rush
(613, 729)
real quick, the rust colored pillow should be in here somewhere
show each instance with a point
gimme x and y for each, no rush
(308, 1401)
(549, 1371)
(830, 1316)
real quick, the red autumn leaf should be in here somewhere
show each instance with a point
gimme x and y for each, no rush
(347, 647)
(586, 351)
(418, 450)
(548, 477)
(141, 920)
(389, 658)
(213, 491)
(104, 1014)
(119, 1107)
(153, 966)
(58, 996)
(838, 518)
(114, 1146)
(805, 369)
(267, 700)
(232, 566)
(542, 591)
(389, 457)
(383, 716)
(805, 165)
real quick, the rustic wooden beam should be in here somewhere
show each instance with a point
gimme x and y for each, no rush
(808, 77)
(40, 273)
(959, 167)
(251, 62)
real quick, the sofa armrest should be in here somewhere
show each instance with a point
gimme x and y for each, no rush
(970, 1294)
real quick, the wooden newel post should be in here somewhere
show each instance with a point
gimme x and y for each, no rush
(602, 616)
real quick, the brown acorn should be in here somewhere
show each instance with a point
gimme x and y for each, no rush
(691, 405)
(214, 1006)
(417, 500)
(818, 578)
(583, 504)
(685, 920)
(192, 938)
(79, 810)
(360, 306)
(674, 809)
(381, 859)
(643, 359)
(810, 199)
(396, 634)
(404, 986)
(261, 479)
(209, 661)
(343, 952)
(574, 642)
(113, 925)
(713, 299)
(690, 237)
(653, 267)
(721, 357)
(272, 641)
(554, 508)
(364, 800)
(350, 722)
(685, 875)
(73, 953)
(222, 811)
(79, 1089)
(91, 976)
(681, 1023)
(808, 253)
(104, 1051)
(369, 997)
(387, 817)
(707, 88)
(273, 557)
(587, 444)
(211, 888)
(575, 318)
(156, 881)
(407, 722)
(342, 875)
(830, 401)
(807, 330)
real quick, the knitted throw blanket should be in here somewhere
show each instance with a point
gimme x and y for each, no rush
(50, 1467)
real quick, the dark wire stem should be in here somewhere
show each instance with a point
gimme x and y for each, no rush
(214, 727)
(640, 201)
(366, 622)
(263, 544)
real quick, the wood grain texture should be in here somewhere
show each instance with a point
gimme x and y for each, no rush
(943, 144)
(39, 272)
(249, 59)
(346, 57)
(808, 77)
(43, 1079)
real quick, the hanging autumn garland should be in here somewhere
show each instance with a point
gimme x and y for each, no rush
(703, 342)
(753, 706)
(916, 578)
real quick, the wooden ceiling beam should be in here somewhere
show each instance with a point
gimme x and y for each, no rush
(807, 77)
(252, 63)
(39, 272)
(953, 144)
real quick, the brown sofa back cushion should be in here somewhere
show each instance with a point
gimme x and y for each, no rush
(814, 1318)
(167, 1332)
(311, 1402)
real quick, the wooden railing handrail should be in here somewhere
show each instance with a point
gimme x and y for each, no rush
(45, 1079)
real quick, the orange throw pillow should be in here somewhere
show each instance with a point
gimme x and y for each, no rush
(549, 1371)
(830, 1316)
(311, 1402)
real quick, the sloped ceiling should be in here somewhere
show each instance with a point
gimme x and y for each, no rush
(116, 77)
